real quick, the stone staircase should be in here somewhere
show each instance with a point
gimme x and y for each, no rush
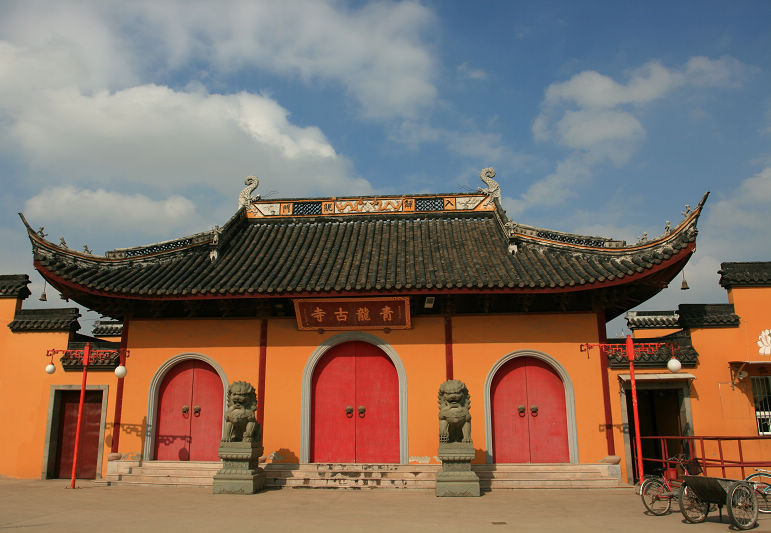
(165, 473)
(367, 476)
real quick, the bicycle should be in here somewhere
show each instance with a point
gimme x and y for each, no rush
(657, 491)
(761, 482)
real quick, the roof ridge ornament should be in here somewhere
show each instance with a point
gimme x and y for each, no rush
(245, 198)
(493, 190)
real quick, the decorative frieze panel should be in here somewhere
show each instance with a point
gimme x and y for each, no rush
(369, 205)
(353, 313)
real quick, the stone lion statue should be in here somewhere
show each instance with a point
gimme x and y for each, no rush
(240, 423)
(454, 416)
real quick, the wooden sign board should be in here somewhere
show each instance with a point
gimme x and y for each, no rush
(353, 313)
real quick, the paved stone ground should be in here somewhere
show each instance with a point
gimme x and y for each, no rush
(51, 506)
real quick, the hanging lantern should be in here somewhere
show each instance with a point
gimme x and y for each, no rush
(50, 368)
(674, 366)
(120, 371)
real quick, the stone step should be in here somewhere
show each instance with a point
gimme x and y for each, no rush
(349, 476)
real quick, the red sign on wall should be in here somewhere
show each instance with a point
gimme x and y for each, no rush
(353, 313)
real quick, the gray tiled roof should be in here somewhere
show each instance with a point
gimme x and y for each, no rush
(652, 319)
(62, 319)
(745, 274)
(107, 328)
(360, 254)
(708, 315)
(686, 316)
(14, 286)
(305, 255)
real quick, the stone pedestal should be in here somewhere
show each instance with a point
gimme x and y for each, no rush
(456, 477)
(240, 473)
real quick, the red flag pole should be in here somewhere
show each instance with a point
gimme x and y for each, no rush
(86, 353)
(630, 356)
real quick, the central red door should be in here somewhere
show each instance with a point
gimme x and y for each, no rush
(355, 412)
(528, 413)
(189, 424)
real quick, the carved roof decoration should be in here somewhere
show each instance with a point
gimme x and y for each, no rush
(751, 274)
(107, 328)
(61, 319)
(14, 286)
(354, 246)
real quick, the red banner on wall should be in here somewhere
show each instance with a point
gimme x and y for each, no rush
(353, 313)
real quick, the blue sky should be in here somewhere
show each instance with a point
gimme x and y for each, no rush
(126, 123)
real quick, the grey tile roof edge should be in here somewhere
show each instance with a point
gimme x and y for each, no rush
(745, 274)
(57, 319)
(14, 286)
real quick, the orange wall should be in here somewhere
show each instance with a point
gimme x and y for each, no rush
(25, 391)
(232, 343)
(753, 305)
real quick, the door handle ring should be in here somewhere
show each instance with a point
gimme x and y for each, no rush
(362, 411)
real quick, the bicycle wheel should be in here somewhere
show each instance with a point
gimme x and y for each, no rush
(742, 505)
(694, 509)
(761, 482)
(654, 497)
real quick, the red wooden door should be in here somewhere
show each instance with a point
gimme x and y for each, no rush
(88, 450)
(189, 424)
(537, 434)
(355, 413)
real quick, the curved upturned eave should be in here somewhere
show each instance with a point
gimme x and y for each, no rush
(690, 220)
(682, 256)
(637, 269)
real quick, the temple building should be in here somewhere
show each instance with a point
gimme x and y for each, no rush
(346, 314)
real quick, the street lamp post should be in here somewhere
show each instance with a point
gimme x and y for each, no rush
(631, 349)
(86, 356)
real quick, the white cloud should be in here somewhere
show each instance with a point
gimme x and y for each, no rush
(80, 209)
(158, 136)
(612, 132)
(376, 52)
(469, 73)
(597, 119)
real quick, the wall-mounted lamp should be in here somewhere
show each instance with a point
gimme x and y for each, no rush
(429, 303)
(674, 365)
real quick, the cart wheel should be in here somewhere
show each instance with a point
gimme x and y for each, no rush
(742, 505)
(694, 509)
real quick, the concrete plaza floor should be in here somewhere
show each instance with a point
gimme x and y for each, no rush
(33, 505)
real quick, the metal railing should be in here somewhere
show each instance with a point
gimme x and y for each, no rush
(713, 452)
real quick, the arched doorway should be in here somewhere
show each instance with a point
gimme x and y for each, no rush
(528, 413)
(355, 406)
(189, 413)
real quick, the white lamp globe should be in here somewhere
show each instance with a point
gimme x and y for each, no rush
(120, 371)
(50, 368)
(673, 365)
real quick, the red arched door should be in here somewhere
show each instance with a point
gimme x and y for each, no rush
(355, 412)
(189, 426)
(528, 413)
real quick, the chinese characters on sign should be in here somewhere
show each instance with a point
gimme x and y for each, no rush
(353, 313)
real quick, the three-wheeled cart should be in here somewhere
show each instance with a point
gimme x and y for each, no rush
(699, 492)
